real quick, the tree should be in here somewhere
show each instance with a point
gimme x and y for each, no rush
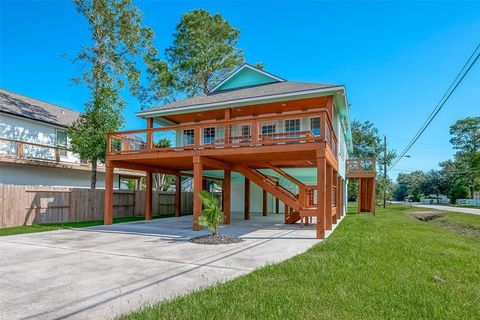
(203, 53)
(212, 216)
(410, 185)
(367, 143)
(466, 140)
(109, 63)
(433, 183)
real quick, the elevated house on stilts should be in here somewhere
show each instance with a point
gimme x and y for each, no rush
(269, 141)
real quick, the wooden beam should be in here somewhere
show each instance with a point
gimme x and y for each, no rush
(148, 196)
(321, 195)
(215, 164)
(286, 175)
(178, 196)
(264, 203)
(108, 209)
(141, 167)
(197, 187)
(247, 200)
(226, 190)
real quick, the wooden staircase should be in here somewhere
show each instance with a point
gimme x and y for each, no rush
(295, 202)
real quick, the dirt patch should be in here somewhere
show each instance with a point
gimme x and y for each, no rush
(427, 215)
(467, 230)
(215, 240)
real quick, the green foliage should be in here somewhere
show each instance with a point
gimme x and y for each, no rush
(203, 53)
(212, 215)
(118, 40)
(459, 192)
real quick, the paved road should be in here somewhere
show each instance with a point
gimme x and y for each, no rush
(105, 271)
(445, 208)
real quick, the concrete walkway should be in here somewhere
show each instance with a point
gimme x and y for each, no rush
(444, 208)
(105, 271)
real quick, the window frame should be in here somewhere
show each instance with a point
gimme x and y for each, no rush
(209, 133)
(319, 125)
(293, 119)
(62, 147)
(187, 135)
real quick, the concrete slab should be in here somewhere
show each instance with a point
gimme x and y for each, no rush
(105, 271)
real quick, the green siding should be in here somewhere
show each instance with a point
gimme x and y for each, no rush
(245, 78)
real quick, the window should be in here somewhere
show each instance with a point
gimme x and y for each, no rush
(208, 135)
(188, 137)
(315, 126)
(245, 132)
(268, 128)
(292, 125)
(62, 142)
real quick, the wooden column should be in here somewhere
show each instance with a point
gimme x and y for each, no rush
(286, 213)
(108, 209)
(359, 196)
(178, 196)
(277, 206)
(247, 200)
(226, 190)
(321, 196)
(264, 203)
(328, 199)
(197, 187)
(149, 134)
(148, 196)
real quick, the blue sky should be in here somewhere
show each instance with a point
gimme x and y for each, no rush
(395, 58)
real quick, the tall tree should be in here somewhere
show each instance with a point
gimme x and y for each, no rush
(466, 140)
(203, 53)
(109, 63)
(367, 143)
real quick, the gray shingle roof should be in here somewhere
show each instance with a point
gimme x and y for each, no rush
(276, 88)
(26, 107)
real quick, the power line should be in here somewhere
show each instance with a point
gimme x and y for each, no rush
(451, 89)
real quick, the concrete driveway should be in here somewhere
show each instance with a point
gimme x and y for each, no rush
(105, 271)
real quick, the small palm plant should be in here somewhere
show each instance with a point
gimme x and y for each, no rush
(212, 216)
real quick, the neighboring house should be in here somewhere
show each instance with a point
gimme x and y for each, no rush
(291, 139)
(34, 145)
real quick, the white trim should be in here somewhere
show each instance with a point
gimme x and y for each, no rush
(274, 77)
(222, 104)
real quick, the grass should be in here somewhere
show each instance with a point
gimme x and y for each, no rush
(388, 266)
(67, 225)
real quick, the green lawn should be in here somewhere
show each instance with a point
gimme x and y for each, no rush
(388, 266)
(56, 226)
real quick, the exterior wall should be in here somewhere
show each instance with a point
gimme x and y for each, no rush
(17, 128)
(244, 78)
(256, 198)
(342, 152)
(34, 175)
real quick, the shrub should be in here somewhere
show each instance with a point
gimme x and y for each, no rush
(212, 216)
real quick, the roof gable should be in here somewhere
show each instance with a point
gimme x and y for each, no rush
(246, 76)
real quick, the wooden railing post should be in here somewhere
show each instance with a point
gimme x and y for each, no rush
(19, 150)
(149, 134)
(254, 132)
(197, 135)
(57, 155)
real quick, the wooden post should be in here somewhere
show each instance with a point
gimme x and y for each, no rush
(277, 206)
(197, 187)
(328, 199)
(226, 190)
(247, 200)
(321, 196)
(264, 203)
(178, 196)
(108, 203)
(359, 196)
(374, 195)
(286, 213)
(228, 113)
(19, 150)
(149, 134)
(148, 196)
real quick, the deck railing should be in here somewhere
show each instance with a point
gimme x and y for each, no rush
(24, 150)
(250, 132)
(361, 166)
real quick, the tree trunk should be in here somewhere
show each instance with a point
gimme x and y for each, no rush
(93, 176)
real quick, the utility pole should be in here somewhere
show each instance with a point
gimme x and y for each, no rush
(384, 171)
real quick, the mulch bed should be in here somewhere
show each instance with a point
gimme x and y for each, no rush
(215, 240)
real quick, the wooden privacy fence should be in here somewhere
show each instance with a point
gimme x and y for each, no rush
(25, 205)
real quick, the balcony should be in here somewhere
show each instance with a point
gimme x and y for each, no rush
(256, 131)
(361, 168)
